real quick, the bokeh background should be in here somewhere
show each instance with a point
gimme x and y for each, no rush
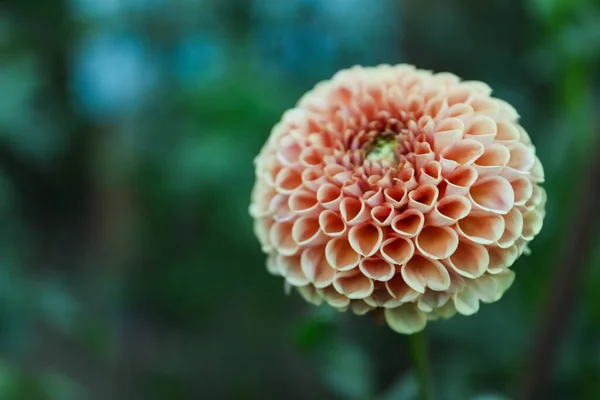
(128, 266)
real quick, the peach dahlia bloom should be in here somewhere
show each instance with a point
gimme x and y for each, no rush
(399, 190)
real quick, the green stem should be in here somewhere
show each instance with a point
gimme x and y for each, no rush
(418, 350)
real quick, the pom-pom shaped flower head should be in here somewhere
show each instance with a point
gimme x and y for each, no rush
(398, 190)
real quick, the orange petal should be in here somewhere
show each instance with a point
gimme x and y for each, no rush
(397, 250)
(437, 242)
(482, 129)
(469, 260)
(303, 202)
(383, 215)
(513, 227)
(332, 224)
(377, 269)
(330, 196)
(365, 239)
(485, 229)
(420, 272)
(340, 254)
(288, 180)
(409, 223)
(460, 180)
(449, 210)
(423, 198)
(282, 239)
(396, 196)
(493, 194)
(316, 268)
(464, 152)
(307, 231)
(354, 211)
(353, 284)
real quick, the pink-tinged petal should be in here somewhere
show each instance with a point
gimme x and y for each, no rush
(365, 239)
(513, 227)
(448, 211)
(406, 319)
(483, 229)
(397, 196)
(397, 250)
(423, 154)
(374, 198)
(493, 194)
(311, 156)
(521, 157)
(482, 129)
(383, 215)
(423, 198)
(431, 173)
(332, 224)
(447, 132)
(460, 180)
(409, 223)
(464, 152)
(354, 211)
(485, 106)
(288, 180)
(377, 269)
(281, 238)
(353, 284)
(523, 189)
(461, 111)
(492, 160)
(303, 202)
(313, 178)
(330, 196)
(316, 268)
(306, 231)
(407, 177)
(340, 255)
(437, 242)
(420, 273)
(289, 151)
(469, 260)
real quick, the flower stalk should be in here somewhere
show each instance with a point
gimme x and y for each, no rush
(420, 363)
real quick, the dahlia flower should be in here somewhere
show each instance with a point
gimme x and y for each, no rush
(400, 190)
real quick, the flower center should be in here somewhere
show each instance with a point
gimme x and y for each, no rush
(383, 148)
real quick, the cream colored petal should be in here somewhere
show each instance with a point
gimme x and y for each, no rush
(397, 250)
(307, 231)
(446, 311)
(507, 112)
(316, 268)
(304, 202)
(437, 242)
(448, 211)
(409, 223)
(485, 106)
(460, 94)
(282, 239)
(354, 211)
(482, 129)
(340, 254)
(467, 301)
(460, 180)
(288, 180)
(383, 215)
(334, 298)
(332, 224)
(396, 196)
(359, 307)
(523, 189)
(513, 227)
(464, 152)
(423, 198)
(262, 227)
(292, 270)
(406, 319)
(273, 266)
(353, 284)
(330, 196)
(377, 269)
(497, 260)
(431, 301)
(493, 194)
(469, 260)
(484, 229)
(507, 133)
(492, 160)
(420, 272)
(521, 157)
(532, 224)
(537, 171)
(537, 199)
(461, 111)
(431, 173)
(447, 132)
(310, 294)
(365, 239)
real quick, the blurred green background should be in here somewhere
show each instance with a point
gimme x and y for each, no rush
(128, 266)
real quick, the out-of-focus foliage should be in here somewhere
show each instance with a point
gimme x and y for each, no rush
(128, 265)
